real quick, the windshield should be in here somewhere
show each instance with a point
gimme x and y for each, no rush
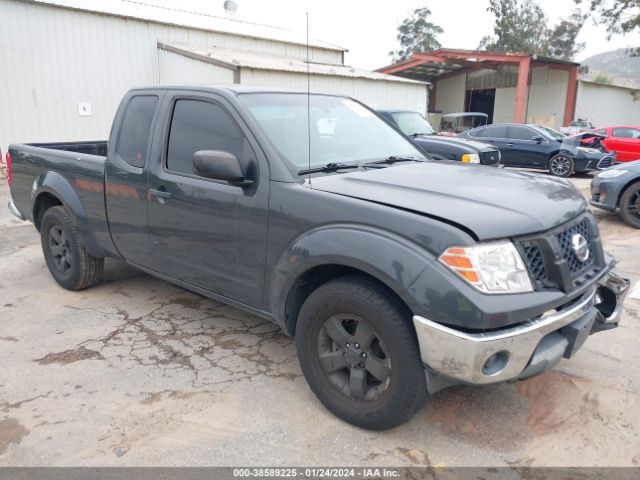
(412, 123)
(553, 133)
(342, 130)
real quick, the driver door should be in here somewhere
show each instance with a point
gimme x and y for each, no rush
(208, 233)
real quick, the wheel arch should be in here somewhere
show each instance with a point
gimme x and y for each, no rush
(51, 189)
(315, 277)
(626, 187)
(391, 261)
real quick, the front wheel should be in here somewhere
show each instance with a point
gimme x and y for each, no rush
(630, 205)
(69, 262)
(561, 165)
(359, 353)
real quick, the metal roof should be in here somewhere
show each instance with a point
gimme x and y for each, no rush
(234, 59)
(139, 10)
(431, 65)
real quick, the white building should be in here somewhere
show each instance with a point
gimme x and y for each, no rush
(604, 104)
(67, 63)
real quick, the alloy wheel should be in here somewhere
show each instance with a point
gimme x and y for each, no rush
(60, 250)
(353, 357)
(560, 166)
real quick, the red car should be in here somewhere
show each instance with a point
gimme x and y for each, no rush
(624, 140)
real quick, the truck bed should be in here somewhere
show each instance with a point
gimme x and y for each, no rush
(55, 166)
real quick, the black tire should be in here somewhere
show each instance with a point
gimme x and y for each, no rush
(68, 261)
(561, 165)
(630, 205)
(393, 350)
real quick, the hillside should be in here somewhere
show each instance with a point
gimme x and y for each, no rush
(618, 65)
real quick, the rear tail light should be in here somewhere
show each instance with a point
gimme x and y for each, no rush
(8, 162)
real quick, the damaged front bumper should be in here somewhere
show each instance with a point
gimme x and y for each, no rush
(452, 356)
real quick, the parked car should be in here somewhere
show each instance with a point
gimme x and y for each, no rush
(623, 140)
(540, 147)
(453, 123)
(397, 275)
(577, 126)
(619, 187)
(422, 133)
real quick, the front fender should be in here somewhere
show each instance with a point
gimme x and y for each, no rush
(388, 257)
(55, 184)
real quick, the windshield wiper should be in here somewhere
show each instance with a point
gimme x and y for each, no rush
(329, 167)
(393, 159)
(414, 135)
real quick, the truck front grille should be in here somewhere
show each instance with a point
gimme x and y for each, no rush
(564, 238)
(552, 262)
(535, 261)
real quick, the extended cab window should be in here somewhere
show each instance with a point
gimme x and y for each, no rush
(200, 125)
(135, 129)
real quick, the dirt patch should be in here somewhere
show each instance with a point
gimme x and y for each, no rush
(411, 455)
(168, 395)
(11, 431)
(69, 356)
(554, 398)
(9, 339)
(468, 414)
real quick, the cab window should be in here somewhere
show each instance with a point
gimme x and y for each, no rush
(136, 126)
(201, 125)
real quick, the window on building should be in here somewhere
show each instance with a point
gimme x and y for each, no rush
(200, 125)
(135, 129)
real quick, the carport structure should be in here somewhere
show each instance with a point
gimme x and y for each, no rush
(445, 64)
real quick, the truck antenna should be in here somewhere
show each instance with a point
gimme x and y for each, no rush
(308, 105)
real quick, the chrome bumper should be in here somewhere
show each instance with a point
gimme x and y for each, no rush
(481, 358)
(14, 210)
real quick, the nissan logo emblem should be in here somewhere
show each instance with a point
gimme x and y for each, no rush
(580, 247)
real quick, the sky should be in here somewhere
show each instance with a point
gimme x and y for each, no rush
(368, 28)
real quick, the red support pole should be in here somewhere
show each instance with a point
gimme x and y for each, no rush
(521, 90)
(570, 102)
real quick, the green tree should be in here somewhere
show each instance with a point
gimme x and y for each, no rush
(561, 40)
(416, 34)
(520, 26)
(619, 16)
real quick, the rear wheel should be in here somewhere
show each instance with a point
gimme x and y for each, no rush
(68, 261)
(359, 353)
(630, 205)
(561, 165)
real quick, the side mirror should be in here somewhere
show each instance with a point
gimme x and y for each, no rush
(538, 139)
(219, 165)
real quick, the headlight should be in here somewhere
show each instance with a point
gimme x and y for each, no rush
(470, 158)
(611, 173)
(588, 150)
(495, 267)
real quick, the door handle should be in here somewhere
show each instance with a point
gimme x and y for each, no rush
(509, 144)
(161, 194)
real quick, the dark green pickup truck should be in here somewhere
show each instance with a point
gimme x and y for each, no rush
(398, 276)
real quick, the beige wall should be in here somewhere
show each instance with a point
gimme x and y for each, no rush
(375, 93)
(450, 94)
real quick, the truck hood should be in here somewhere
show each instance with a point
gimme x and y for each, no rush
(462, 142)
(491, 203)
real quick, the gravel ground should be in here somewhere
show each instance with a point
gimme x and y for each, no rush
(138, 372)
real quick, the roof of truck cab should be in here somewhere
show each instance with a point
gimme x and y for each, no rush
(234, 89)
